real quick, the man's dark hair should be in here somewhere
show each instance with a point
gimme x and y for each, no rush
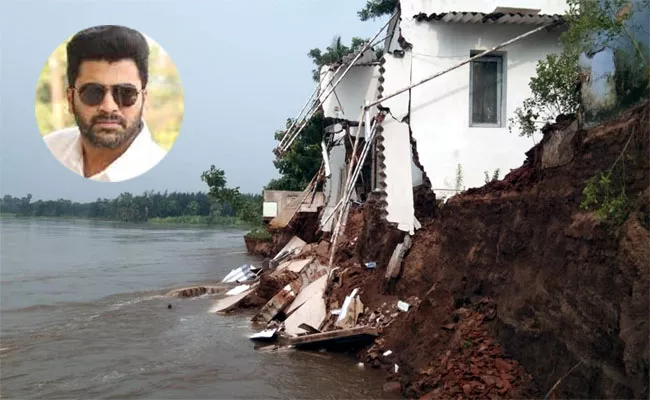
(108, 43)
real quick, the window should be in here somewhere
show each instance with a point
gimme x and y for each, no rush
(486, 91)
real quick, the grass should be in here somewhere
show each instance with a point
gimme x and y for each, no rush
(259, 233)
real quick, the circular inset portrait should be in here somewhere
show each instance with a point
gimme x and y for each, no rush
(109, 103)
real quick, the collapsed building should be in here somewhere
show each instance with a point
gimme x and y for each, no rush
(430, 116)
(509, 277)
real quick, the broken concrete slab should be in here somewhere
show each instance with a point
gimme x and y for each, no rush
(395, 263)
(403, 306)
(316, 288)
(279, 302)
(313, 272)
(237, 290)
(342, 339)
(352, 308)
(293, 265)
(229, 303)
(294, 244)
(264, 336)
(311, 312)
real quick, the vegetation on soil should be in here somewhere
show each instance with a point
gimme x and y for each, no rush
(590, 29)
(555, 88)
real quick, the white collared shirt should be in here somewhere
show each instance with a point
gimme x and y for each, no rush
(142, 155)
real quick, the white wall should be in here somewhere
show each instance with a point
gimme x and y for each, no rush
(440, 107)
(358, 84)
(395, 140)
(413, 7)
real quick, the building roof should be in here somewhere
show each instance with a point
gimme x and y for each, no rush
(491, 18)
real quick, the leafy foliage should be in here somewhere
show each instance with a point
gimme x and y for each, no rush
(553, 93)
(459, 178)
(216, 181)
(591, 27)
(222, 205)
(333, 53)
(126, 207)
(609, 199)
(377, 8)
(259, 234)
(495, 176)
(606, 191)
(248, 206)
(303, 159)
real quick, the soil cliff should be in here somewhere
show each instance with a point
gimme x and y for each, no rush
(569, 292)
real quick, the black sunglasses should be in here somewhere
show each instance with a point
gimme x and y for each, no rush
(92, 94)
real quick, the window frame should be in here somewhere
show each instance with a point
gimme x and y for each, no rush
(500, 59)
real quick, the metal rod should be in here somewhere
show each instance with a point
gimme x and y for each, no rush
(299, 114)
(321, 100)
(497, 47)
(345, 201)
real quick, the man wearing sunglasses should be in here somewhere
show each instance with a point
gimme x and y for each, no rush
(107, 77)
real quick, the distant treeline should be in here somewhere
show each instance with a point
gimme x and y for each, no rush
(175, 207)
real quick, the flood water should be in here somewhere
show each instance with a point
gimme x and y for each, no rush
(83, 315)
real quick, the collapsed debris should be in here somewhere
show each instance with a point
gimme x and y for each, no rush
(244, 273)
(297, 313)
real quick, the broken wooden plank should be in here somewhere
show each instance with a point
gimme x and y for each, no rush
(338, 339)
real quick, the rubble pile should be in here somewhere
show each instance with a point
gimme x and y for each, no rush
(508, 281)
(474, 365)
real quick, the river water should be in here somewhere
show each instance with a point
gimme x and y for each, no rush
(83, 315)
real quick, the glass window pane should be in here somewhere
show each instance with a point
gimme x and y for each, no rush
(484, 92)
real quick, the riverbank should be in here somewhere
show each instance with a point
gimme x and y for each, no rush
(515, 289)
(188, 220)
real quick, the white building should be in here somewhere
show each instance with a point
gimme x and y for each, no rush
(458, 120)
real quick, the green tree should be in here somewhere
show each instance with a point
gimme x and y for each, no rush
(216, 181)
(553, 93)
(377, 8)
(591, 27)
(333, 53)
(303, 158)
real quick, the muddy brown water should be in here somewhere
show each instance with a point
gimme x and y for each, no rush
(83, 315)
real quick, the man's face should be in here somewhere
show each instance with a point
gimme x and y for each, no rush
(107, 124)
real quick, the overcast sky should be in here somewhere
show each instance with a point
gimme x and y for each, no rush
(243, 65)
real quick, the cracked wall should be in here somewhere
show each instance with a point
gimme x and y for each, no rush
(357, 85)
(440, 116)
(395, 164)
